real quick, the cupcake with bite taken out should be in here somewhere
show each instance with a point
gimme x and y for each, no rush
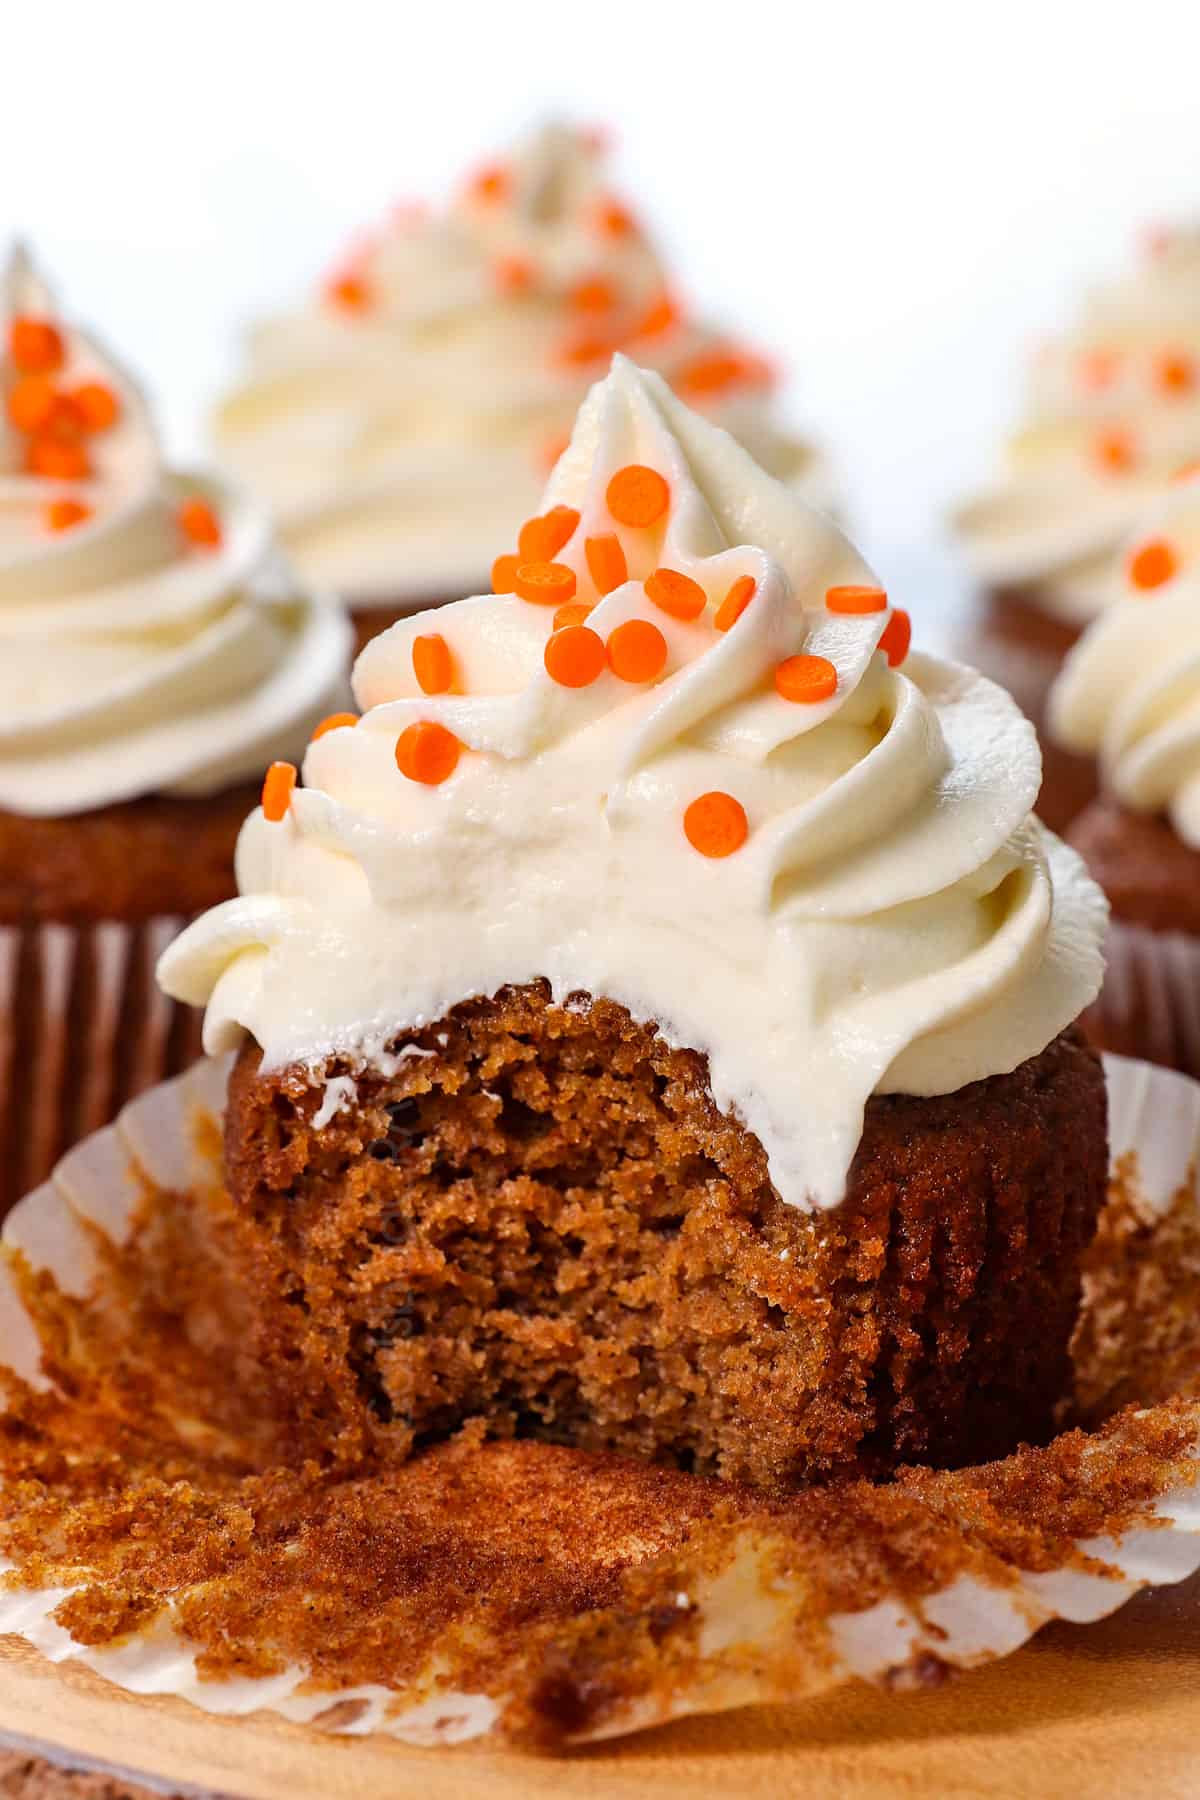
(1113, 414)
(656, 1014)
(402, 423)
(155, 655)
(1129, 698)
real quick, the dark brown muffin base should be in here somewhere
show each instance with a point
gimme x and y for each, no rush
(545, 1228)
(1150, 875)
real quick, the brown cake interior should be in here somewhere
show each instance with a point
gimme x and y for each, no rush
(543, 1227)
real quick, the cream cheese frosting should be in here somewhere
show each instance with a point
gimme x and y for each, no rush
(1113, 414)
(1129, 692)
(403, 423)
(151, 637)
(832, 894)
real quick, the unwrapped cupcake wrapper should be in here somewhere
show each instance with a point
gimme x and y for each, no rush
(84, 1028)
(757, 1599)
(1149, 1006)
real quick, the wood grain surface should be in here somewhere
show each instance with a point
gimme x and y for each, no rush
(1108, 1709)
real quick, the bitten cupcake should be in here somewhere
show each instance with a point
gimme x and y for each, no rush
(403, 422)
(657, 1011)
(155, 654)
(1113, 414)
(1129, 697)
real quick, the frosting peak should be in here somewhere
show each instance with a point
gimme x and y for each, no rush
(717, 789)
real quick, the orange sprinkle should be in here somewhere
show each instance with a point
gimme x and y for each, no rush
(855, 597)
(432, 663)
(513, 274)
(587, 347)
(64, 422)
(97, 405)
(30, 402)
(637, 651)
(351, 292)
(200, 524)
(711, 374)
(606, 562)
(504, 574)
(62, 514)
(56, 460)
(335, 722)
(427, 752)
(1114, 451)
(573, 613)
(594, 294)
(1152, 564)
(546, 583)
(541, 539)
(735, 602)
(716, 824)
(36, 346)
(574, 657)
(277, 791)
(806, 678)
(491, 184)
(615, 219)
(637, 496)
(896, 640)
(1175, 372)
(676, 594)
(661, 316)
(1098, 368)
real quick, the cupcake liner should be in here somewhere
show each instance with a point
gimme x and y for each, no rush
(1149, 1006)
(522, 1590)
(84, 1028)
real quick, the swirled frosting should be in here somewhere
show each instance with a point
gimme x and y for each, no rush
(886, 917)
(1113, 414)
(1130, 690)
(403, 423)
(151, 638)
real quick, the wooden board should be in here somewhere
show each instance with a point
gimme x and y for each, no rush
(1102, 1710)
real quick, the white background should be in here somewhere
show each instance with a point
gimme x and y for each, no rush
(897, 198)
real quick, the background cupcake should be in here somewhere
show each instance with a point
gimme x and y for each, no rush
(1113, 413)
(154, 656)
(1129, 697)
(403, 422)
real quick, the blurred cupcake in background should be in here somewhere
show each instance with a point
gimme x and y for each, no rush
(155, 655)
(1129, 698)
(1113, 414)
(403, 421)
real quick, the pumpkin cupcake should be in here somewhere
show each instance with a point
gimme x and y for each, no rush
(403, 422)
(155, 654)
(1113, 413)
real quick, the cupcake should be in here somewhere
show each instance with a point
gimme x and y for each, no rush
(1129, 697)
(656, 1015)
(1113, 413)
(403, 421)
(154, 656)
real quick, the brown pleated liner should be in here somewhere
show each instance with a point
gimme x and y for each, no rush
(84, 1029)
(1149, 1006)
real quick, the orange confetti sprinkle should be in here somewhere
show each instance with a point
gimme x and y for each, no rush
(637, 496)
(1175, 372)
(200, 524)
(65, 421)
(735, 602)
(896, 640)
(30, 402)
(637, 651)
(594, 294)
(855, 597)
(1099, 368)
(1114, 451)
(545, 583)
(352, 293)
(1152, 564)
(541, 539)
(513, 274)
(574, 657)
(334, 722)
(56, 460)
(615, 219)
(574, 613)
(711, 374)
(277, 791)
(491, 184)
(36, 346)
(806, 678)
(587, 347)
(504, 574)
(427, 752)
(716, 824)
(676, 594)
(662, 315)
(432, 663)
(98, 406)
(61, 515)
(606, 562)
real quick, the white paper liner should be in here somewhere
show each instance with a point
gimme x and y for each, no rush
(750, 1614)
